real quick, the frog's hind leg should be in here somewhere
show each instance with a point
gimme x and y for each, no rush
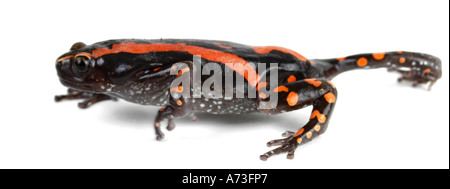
(320, 93)
(418, 68)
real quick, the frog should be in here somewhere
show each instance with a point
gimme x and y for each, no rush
(143, 71)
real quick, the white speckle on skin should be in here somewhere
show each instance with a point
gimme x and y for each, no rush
(100, 61)
(202, 105)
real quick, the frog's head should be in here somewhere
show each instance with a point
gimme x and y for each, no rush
(93, 68)
(77, 69)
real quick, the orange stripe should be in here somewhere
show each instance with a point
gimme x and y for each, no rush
(89, 56)
(267, 49)
(63, 58)
(208, 54)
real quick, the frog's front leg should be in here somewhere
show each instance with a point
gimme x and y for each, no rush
(89, 98)
(320, 93)
(178, 107)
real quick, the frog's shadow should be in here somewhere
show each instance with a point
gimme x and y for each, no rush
(144, 116)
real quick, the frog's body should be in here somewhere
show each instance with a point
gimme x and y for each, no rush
(144, 72)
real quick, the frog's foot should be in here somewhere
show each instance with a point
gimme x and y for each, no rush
(418, 77)
(89, 98)
(417, 68)
(288, 144)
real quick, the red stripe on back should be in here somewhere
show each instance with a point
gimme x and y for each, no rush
(208, 54)
(267, 49)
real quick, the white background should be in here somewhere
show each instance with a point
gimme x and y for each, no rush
(377, 123)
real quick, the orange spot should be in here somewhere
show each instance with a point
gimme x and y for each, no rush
(361, 62)
(317, 128)
(177, 89)
(182, 71)
(291, 78)
(162, 109)
(427, 70)
(320, 117)
(341, 59)
(262, 95)
(410, 73)
(281, 88)
(267, 49)
(299, 132)
(179, 103)
(330, 98)
(402, 60)
(399, 52)
(223, 46)
(308, 135)
(292, 98)
(378, 56)
(329, 82)
(63, 58)
(299, 140)
(261, 85)
(208, 54)
(314, 82)
(156, 69)
(185, 69)
(156, 124)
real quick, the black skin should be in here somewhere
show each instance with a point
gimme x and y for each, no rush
(139, 71)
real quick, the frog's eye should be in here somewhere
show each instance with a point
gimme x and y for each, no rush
(81, 64)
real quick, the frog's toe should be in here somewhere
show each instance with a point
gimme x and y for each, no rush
(288, 134)
(287, 145)
(277, 142)
(170, 125)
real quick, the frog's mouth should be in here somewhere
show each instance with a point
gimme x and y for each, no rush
(79, 85)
